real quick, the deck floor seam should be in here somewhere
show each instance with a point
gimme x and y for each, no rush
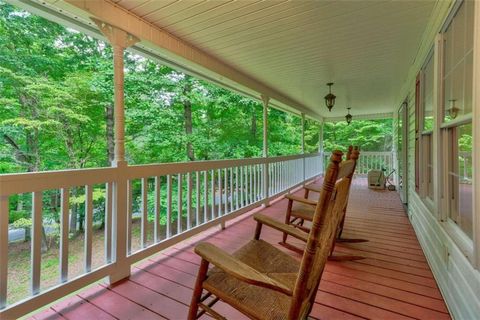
(385, 296)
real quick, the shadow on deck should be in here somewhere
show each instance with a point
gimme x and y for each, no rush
(394, 280)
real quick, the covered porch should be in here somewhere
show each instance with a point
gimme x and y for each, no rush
(382, 60)
(394, 280)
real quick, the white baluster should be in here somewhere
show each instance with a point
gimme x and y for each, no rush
(65, 195)
(158, 209)
(88, 227)
(169, 206)
(144, 221)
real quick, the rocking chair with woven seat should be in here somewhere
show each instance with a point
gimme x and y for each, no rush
(300, 209)
(317, 186)
(264, 282)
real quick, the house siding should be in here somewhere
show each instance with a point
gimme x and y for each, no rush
(456, 275)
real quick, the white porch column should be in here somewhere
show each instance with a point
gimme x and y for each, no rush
(303, 146)
(120, 40)
(476, 137)
(266, 175)
(320, 146)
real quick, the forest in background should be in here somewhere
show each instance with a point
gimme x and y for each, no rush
(369, 135)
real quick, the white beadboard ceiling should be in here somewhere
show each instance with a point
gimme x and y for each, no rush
(296, 47)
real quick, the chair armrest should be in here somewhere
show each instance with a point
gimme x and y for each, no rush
(290, 230)
(302, 200)
(237, 268)
(313, 188)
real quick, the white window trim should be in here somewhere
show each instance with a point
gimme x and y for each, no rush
(469, 247)
(476, 136)
(423, 170)
(463, 119)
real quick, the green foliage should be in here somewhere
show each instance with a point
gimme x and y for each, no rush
(17, 215)
(22, 223)
(370, 135)
(97, 195)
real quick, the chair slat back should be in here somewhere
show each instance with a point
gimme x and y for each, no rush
(328, 213)
(346, 167)
(352, 156)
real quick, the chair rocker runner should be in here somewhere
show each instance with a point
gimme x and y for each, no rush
(300, 209)
(264, 282)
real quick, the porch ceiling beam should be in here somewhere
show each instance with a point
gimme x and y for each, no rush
(172, 48)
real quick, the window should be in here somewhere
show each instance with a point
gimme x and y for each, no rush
(428, 75)
(424, 123)
(458, 64)
(457, 117)
(460, 177)
(427, 164)
(427, 128)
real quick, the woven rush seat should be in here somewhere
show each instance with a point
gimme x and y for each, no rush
(303, 211)
(257, 302)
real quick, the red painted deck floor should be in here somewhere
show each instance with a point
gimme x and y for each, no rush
(394, 280)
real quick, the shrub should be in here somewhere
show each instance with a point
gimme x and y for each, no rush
(17, 215)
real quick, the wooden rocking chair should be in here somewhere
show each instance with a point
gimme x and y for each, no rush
(300, 209)
(264, 282)
(317, 187)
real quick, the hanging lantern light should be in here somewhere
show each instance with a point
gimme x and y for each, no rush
(330, 97)
(348, 117)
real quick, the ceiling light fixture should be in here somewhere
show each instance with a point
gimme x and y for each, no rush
(330, 97)
(348, 117)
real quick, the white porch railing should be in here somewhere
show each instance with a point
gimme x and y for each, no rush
(372, 160)
(197, 195)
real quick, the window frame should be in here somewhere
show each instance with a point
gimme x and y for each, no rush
(459, 237)
(422, 155)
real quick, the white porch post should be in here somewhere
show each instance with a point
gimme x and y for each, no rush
(320, 146)
(303, 147)
(120, 40)
(476, 137)
(266, 175)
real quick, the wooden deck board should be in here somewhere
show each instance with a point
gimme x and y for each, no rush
(393, 282)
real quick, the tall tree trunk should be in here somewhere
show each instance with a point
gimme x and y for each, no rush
(187, 114)
(110, 133)
(33, 151)
(74, 214)
(20, 203)
(253, 128)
